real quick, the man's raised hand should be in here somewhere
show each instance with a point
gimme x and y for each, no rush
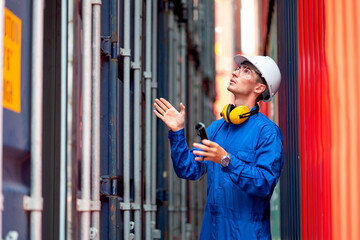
(169, 115)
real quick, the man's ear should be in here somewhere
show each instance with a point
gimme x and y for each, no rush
(260, 88)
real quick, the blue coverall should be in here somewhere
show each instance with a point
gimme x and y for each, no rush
(238, 196)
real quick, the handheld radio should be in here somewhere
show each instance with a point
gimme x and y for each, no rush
(201, 131)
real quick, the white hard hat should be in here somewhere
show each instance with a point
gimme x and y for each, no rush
(269, 71)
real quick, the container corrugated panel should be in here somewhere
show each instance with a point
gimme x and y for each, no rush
(328, 72)
(16, 119)
(314, 118)
(288, 118)
(109, 96)
(342, 47)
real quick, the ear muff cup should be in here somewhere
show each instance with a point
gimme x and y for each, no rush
(234, 115)
(231, 114)
(226, 112)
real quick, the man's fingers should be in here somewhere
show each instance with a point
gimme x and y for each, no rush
(159, 109)
(161, 104)
(201, 146)
(207, 142)
(167, 104)
(206, 145)
(158, 114)
(202, 153)
(182, 108)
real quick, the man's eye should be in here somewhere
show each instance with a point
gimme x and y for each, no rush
(246, 71)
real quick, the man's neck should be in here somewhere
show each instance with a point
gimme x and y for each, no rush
(248, 102)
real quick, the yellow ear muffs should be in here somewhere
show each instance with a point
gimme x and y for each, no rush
(237, 115)
(234, 115)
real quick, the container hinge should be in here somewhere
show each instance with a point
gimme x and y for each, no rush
(132, 236)
(12, 235)
(154, 85)
(85, 205)
(108, 185)
(150, 208)
(147, 75)
(156, 233)
(129, 206)
(135, 65)
(132, 225)
(125, 52)
(135, 206)
(33, 204)
(96, 2)
(105, 45)
(125, 206)
(93, 232)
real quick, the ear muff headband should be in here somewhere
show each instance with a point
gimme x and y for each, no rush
(229, 109)
(253, 112)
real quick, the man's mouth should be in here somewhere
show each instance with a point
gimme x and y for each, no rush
(232, 81)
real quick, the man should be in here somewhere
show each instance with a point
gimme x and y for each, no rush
(243, 161)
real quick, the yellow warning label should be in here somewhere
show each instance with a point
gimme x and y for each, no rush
(12, 61)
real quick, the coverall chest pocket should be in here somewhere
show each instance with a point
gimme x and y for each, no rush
(248, 156)
(245, 155)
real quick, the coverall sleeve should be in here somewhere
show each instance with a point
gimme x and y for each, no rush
(183, 158)
(257, 172)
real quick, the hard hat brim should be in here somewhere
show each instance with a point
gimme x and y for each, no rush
(240, 59)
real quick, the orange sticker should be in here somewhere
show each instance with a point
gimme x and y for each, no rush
(12, 62)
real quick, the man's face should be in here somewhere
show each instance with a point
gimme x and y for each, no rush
(243, 81)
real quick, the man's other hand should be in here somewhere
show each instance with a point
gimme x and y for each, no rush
(211, 151)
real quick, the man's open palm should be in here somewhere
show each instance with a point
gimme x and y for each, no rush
(169, 115)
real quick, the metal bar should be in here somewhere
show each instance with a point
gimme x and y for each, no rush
(154, 118)
(113, 88)
(86, 118)
(113, 119)
(171, 98)
(69, 138)
(191, 119)
(2, 8)
(183, 99)
(36, 116)
(62, 211)
(148, 107)
(176, 183)
(96, 102)
(198, 115)
(137, 119)
(126, 91)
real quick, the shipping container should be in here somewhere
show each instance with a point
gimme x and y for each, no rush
(80, 79)
(317, 49)
(84, 157)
